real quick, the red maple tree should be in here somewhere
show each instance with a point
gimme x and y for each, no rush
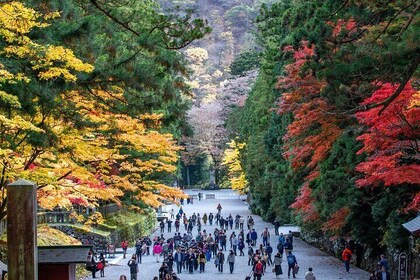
(391, 141)
(314, 129)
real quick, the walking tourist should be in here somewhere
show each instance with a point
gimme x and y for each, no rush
(93, 264)
(254, 237)
(220, 261)
(383, 263)
(234, 242)
(292, 262)
(269, 251)
(202, 261)
(211, 217)
(277, 265)
(231, 261)
(346, 256)
(310, 275)
(163, 271)
(124, 246)
(241, 222)
(169, 223)
(157, 250)
(258, 270)
(179, 258)
(287, 246)
(276, 227)
(265, 236)
(101, 265)
(241, 246)
(134, 269)
(139, 250)
(290, 237)
(250, 255)
(177, 225)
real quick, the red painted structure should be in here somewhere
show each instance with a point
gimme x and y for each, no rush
(56, 271)
(59, 262)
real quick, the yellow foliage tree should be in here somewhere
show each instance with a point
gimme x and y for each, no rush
(117, 155)
(235, 171)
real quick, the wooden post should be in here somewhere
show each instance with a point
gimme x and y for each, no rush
(21, 231)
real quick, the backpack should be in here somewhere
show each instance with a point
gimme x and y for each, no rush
(291, 260)
(258, 268)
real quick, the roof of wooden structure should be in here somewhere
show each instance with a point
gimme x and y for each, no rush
(413, 226)
(63, 254)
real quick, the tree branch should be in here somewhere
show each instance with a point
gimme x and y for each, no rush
(339, 9)
(59, 179)
(3, 177)
(385, 103)
(390, 21)
(410, 72)
(103, 101)
(108, 14)
(127, 59)
(407, 24)
(33, 157)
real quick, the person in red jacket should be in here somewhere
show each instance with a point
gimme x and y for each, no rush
(124, 246)
(346, 256)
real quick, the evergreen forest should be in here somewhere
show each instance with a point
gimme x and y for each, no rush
(331, 128)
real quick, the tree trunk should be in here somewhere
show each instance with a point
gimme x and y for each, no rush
(188, 175)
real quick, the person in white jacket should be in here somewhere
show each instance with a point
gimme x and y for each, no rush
(310, 275)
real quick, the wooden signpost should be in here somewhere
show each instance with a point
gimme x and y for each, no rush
(21, 231)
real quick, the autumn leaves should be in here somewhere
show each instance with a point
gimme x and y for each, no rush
(75, 144)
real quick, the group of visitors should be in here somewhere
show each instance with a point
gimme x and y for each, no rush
(380, 273)
(192, 251)
(190, 200)
(195, 249)
(96, 264)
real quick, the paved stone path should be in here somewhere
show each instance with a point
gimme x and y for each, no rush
(325, 266)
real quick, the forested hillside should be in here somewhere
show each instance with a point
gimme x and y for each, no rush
(215, 89)
(331, 127)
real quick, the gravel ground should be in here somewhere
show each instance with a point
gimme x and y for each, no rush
(325, 266)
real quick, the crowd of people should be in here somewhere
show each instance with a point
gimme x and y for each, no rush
(194, 250)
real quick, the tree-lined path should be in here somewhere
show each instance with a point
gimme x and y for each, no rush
(311, 108)
(325, 266)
